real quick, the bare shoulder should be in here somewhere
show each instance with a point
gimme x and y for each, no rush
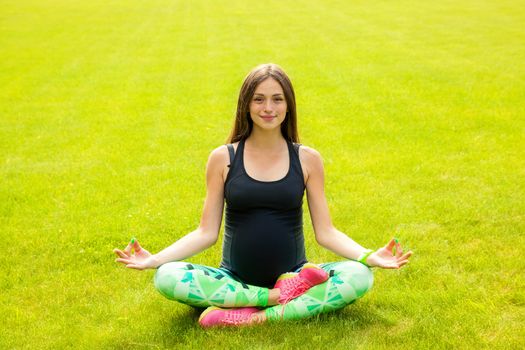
(311, 162)
(218, 158)
(310, 157)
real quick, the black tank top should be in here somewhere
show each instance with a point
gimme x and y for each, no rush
(263, 235)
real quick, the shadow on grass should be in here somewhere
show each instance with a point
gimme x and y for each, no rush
(183, 329)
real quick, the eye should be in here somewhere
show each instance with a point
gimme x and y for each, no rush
(258, 99)
(279, 99)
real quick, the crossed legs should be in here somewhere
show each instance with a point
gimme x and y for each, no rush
(203, 286)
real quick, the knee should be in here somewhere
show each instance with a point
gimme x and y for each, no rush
(357, 276)
(167, 276)
(366, 276)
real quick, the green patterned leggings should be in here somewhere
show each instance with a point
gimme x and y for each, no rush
(203, 286)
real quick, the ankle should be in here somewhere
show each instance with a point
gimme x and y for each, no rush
(258, 317)
(273, 296)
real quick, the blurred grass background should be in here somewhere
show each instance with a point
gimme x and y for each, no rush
(109, 109)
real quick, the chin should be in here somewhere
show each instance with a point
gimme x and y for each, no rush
(270, 127)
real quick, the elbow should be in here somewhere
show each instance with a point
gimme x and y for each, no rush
(323, 236)
(213, 239)
(209, 236)
(320, 238)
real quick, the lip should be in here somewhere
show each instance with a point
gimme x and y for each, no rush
(267, 117)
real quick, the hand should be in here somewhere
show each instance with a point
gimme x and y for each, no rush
(139, 259)
(387, 259)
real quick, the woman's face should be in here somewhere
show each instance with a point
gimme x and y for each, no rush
(268, 105)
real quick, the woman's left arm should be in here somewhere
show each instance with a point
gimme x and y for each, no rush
(327, 235)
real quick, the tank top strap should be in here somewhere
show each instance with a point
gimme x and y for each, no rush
(239, 154)
(296, 147)
(295, 161)
(232, 154)
(236, 168)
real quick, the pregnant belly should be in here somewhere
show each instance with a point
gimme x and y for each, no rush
(260, 255)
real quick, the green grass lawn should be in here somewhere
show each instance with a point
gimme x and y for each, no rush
(109, 109)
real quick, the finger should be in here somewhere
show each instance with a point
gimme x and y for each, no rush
(124, 261)
(394, 265)
(402, 263)
(390, 266)
(390, 245)
(120, 253)
(134, 266)
(399, 250)
(136, 246)
(127, 250)
(406, 256)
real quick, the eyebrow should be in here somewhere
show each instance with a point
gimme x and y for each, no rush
(272, 95)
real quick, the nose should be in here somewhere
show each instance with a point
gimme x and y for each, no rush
(268, 106)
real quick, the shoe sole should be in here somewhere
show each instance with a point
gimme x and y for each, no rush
(206, 312)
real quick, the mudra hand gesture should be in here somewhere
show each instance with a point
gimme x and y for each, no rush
(135, 257)
(389, 257)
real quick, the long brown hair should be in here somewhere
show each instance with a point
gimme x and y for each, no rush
(243, 124)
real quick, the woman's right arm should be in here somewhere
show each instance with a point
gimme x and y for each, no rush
(208, 231)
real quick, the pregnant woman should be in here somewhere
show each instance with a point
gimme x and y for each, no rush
(259, 178)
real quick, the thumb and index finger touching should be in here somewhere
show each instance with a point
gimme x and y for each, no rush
(126, 253)
(133, 245)
(395, 247)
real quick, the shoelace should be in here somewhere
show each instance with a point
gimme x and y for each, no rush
(293, 289)
(236, 317)
(299, 284)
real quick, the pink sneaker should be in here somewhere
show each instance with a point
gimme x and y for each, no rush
(293, 285)
(215, 316)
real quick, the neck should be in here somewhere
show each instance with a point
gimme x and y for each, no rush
(266, 139)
